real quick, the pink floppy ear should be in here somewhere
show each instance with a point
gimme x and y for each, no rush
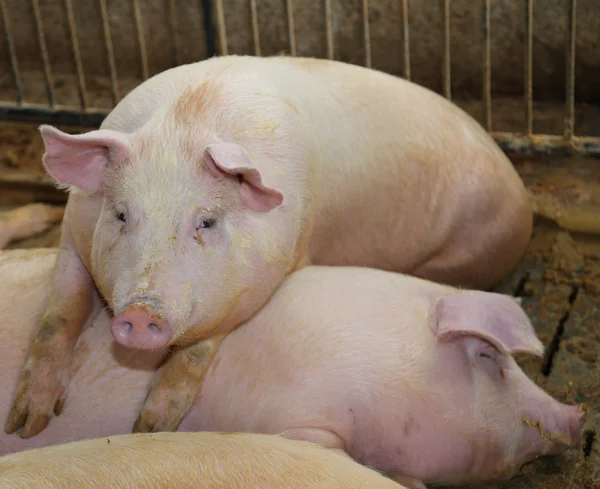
(229, 159)
(493, 317)
(80, 160)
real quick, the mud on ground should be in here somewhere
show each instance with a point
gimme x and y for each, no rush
(558, 281)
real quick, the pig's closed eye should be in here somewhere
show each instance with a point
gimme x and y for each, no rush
(121, 216)
(484, 355)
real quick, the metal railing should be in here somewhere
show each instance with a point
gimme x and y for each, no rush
(521, 142)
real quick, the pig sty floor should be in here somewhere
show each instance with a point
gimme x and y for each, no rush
(558, 280)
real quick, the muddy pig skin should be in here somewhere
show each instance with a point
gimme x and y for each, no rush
(186, 460)
(404, 375)
(210, 182)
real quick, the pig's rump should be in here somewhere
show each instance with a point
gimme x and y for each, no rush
(109, 382)
(183, 460)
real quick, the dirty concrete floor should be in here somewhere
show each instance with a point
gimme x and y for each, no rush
(558, 281)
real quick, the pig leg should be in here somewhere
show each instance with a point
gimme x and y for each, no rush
(325, 438)
(175, 387)
(42, 388)
(406, 481)
(27, 220)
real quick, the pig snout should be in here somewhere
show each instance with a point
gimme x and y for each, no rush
(557, 430)
(140, 326)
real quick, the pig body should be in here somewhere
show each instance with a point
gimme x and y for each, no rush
(27, 220)
(225, 175)
(405, 376)
(184, 460)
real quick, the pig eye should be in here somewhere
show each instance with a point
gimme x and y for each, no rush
(206, 223)
(121, 216)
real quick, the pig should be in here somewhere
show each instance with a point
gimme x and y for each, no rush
(184, 460)
(408, 377)
(27, 220)
(211, 182)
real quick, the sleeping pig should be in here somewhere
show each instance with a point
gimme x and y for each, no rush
(186, 460)
(405, 376)
(211, 182)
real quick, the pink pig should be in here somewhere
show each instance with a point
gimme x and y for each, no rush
(405, 376)
(211, 182)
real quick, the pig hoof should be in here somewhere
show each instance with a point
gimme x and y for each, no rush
(406, 481)
(37, 399)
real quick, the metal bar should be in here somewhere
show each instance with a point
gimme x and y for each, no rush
(173, 26)
(289, 8)
(329, 29)
(570, 95)
(529, 68)
(221, 28)
(44, 50)
(405, 39)
(109, 53)
(70, 116)
(14, 64)
(547, 145)
(139, 28)
(83, 97)
(447, 76)
(366, 33)
(255, 31)
(487, 72)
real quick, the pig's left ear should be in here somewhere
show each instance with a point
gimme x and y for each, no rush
(493, 317)
(230, 160)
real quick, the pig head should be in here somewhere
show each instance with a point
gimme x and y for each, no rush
(509, 419)
(182, 233)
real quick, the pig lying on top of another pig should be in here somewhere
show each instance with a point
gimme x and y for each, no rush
(406, 376)
(211, 182)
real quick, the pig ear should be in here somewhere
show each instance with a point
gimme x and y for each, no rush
(493, 317)
(80, 160)
(228, 159)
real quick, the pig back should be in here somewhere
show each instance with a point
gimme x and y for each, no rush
(182, 460)
(327, 346)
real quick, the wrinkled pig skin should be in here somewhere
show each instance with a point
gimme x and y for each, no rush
(184, 460)
(27, 220)
(210, 182)
(408, 377)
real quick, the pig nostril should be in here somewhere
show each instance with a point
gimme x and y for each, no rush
(154, 328)
(128, 326)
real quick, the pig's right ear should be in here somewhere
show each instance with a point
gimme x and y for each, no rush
(80, 160)
(493, 317)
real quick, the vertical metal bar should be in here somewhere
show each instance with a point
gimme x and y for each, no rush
(221, 27)
(14, 64)
(529, 67)
(570, 95)
(173, 25)
(329, 29)
(487, 72)
(83, 98)
(291, 26)
(139, 27)
(366, 33)
(44, 50)
(255, 31)
(109, 53)
(405, 39)
(447, 79)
